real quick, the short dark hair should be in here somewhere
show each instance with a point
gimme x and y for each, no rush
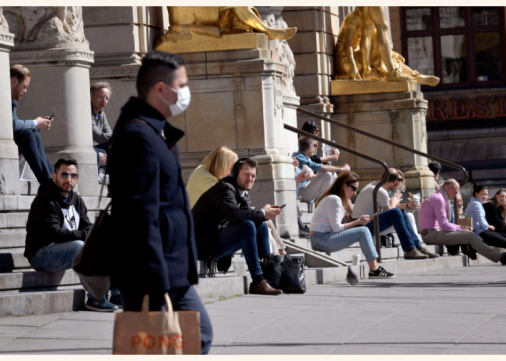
(477, 188)
(435, 167)
(305, 143)
(157, 66)
(241, 162)
(66, 161)
(310, 126)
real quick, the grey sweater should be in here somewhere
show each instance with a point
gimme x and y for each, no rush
(101, 130)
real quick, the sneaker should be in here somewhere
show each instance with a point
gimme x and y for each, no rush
(303, 233)
(101, 305)
(424, 250)
(415, 254)
(116, 299)
(380, 273)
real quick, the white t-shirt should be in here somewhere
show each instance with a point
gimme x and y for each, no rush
(363, 204)
(328, 215)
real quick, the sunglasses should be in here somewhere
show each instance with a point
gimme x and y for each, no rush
(353, 188)
(400, 180)
(65, 175)
(315, 145)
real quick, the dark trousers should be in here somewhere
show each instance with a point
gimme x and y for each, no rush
(493, 239)
(101, 148)
(185, 298)
(30, 145)
(251, 238)
(399, 220)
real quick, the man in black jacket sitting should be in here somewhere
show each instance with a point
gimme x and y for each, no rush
(57, 227)
(226, 223)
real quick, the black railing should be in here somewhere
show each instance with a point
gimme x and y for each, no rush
(361, 155)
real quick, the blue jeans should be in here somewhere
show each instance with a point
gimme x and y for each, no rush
(30, 145)
(399, 220)
(252, 239)
(101, 148)
(185, 298)
(58, 257)
(332, 242)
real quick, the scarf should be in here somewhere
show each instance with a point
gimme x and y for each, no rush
(448, 204)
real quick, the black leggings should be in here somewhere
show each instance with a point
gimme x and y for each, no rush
(493, 238)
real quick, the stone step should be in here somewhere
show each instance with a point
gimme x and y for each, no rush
(12, 238)
(29, 278)
(13, 259)
(71, 298)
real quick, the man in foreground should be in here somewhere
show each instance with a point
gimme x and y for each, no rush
(57, 227)
(155, 246)
(225, 222)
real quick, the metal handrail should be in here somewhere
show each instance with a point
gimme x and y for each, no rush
(377, 238)
(409, 149)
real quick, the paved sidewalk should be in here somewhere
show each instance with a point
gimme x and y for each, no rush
(455, 311)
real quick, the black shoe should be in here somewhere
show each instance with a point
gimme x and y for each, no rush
(303, 233)
(503, 259)
(116, 299)
(453, 250)
(469, 251)
(381, 273)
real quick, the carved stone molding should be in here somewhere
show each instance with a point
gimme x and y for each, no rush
(239, 112)
(114, 72)
(52, 55)
(6, 39)
(46, 27)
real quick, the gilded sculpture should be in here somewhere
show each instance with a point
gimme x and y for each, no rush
(363, 52)
(191, 23)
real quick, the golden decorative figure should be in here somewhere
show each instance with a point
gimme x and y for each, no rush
(363, 51)
(190, 22)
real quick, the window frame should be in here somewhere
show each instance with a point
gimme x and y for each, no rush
(469, 31)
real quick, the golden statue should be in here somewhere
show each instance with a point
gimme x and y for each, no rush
(191, 23)
(363, 51)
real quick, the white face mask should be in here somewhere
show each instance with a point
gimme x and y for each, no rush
(183, 100)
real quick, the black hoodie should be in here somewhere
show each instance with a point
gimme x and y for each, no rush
(52, 220)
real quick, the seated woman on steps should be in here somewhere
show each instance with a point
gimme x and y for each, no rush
(329, 234)
(495, 211)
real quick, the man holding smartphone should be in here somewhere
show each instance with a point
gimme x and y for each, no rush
(26, 132)
(225, 222)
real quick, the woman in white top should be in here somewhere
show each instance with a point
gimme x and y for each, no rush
(399, 188)
(329, 234)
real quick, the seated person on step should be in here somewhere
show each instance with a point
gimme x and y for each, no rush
(481, 227)
(225, 223)
(26, 132)
(102, 132)
(217, 165)
(434, 220)
(311, 127)
(301, 181)
(391, 215)
(317, 185)
(57, 227)
(329, 234)
(412, 206)
(494, 211)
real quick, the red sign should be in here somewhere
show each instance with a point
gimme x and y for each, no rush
(482, 106)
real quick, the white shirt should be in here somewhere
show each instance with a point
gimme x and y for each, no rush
(364, 205)
(328, 215)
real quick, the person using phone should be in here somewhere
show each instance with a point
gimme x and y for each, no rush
(26, 132)
(329, 234)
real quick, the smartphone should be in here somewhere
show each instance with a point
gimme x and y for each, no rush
(283, 206)
(52, 116)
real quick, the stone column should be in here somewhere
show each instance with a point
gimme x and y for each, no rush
(9, 173)
(51, 43)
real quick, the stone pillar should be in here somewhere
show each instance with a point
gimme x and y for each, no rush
(51, 43)
(398, 116)
(9, 173)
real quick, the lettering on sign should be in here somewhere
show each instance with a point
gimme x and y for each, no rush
(150, 341)
(458, 108)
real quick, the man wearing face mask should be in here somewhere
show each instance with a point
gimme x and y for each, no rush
(156, 252)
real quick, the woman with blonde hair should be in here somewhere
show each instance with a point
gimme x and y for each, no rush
(329, 234)
(215, 166)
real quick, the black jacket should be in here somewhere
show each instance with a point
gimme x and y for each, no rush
(154, 244)
(51, 219)
(222, 203)
(493, 216)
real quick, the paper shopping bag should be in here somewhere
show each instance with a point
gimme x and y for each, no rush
(148, 333)
(466, 222)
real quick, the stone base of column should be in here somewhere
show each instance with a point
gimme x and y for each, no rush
(395, 116)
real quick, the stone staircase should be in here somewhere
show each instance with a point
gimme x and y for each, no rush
(23, 291)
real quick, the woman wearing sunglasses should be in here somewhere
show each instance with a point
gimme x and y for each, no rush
(329, 234)
(311, 127)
